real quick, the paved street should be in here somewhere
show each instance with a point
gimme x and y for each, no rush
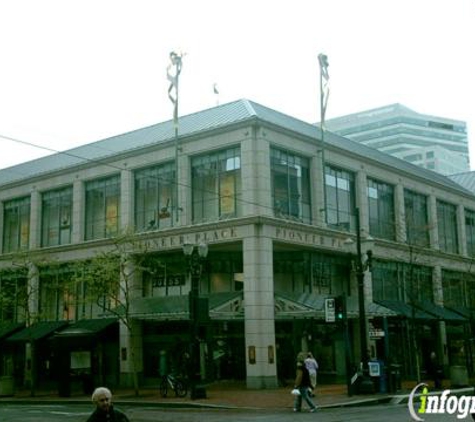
(79, 413)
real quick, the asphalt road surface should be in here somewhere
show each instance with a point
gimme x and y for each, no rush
(79, 413)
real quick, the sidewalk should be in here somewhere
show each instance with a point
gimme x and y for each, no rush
(225, 394)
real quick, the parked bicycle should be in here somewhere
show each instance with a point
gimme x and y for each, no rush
(171, 382)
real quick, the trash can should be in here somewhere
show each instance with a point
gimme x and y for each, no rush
(394, 378)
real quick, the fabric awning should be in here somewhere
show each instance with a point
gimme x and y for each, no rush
(9, 328)
(405, 310)
(37, 331)
(440, 312)
(86, 327)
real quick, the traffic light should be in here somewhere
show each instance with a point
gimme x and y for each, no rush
(340, 308)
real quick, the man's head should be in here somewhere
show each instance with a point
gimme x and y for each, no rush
(102, 397)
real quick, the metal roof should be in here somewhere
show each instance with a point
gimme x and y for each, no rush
(467, 180)
(222, 116)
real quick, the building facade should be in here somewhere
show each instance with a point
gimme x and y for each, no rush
(435, 143)
(280, 227)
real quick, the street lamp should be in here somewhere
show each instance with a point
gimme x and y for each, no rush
(366, 385)
(197, 307)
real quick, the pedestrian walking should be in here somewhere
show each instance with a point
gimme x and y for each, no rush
(102, 398)
(312, 367)
(302, 385)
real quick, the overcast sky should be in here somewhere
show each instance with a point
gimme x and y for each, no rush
(74, 72)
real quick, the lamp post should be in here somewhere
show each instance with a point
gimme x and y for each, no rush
(195, 258)
(366, 385)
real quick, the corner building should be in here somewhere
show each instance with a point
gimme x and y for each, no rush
(251, 183)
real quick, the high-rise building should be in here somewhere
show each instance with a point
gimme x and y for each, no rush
(435, 143)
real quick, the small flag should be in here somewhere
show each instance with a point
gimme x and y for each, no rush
(324, 85)
(175, 62)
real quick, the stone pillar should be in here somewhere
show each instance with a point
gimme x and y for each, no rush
(126, 223)
(35, 220)
(361, 198)
(438, 292)
(78, 217)
(255, 175)
(461, 232)
(317, 191)
(185, 194)
(433, 223)
(131, 346)
(400, 214)
(259, 323)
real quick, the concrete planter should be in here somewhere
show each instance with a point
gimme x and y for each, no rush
(458, 376)
(6, 386)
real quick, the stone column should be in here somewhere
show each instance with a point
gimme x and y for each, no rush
(461, 231)
(259, 311)
(78, 217)
(438, 292)
(400, 214)
(126, 212)
(433, 223)
(317, 191)
(185, 194)
(255, 175)
(35, 220)
(362, 202)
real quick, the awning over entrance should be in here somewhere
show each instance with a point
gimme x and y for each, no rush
(8, 328)
(405, 310)
(221, 305)
(37, 331)
(465, 312)
(86, 327)
(441, 312)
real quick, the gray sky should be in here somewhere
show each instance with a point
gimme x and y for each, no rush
(73, 72)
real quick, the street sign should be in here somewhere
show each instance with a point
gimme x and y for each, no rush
(330, 310)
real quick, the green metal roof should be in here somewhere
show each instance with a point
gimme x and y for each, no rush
(86, 327)
(37, 331)
(7, 328)
(223, 116)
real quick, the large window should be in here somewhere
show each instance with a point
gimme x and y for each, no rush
(340, 198)
(454, 289)
(447, 224)
(16, 224)
(13, 296)
(290, 185)
(216, 184)
(470, 231)
(402, 281)
(56, 217)
(154, 197)
(381, 210)
(417, 227)
(102, 208)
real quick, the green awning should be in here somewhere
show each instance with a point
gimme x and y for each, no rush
(37, 331)
(440, 312)
(86, 327)
(8, 328)
(405, 310)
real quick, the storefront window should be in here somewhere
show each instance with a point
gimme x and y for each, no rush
(417, 226)
(381, 210)
(340, 198)
(16, 224)
(154, 197)
(56, 217)
(102, 208)
(290, 184)
(216, 185)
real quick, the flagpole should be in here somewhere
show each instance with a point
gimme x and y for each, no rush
(324, 92)
(176, 62)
